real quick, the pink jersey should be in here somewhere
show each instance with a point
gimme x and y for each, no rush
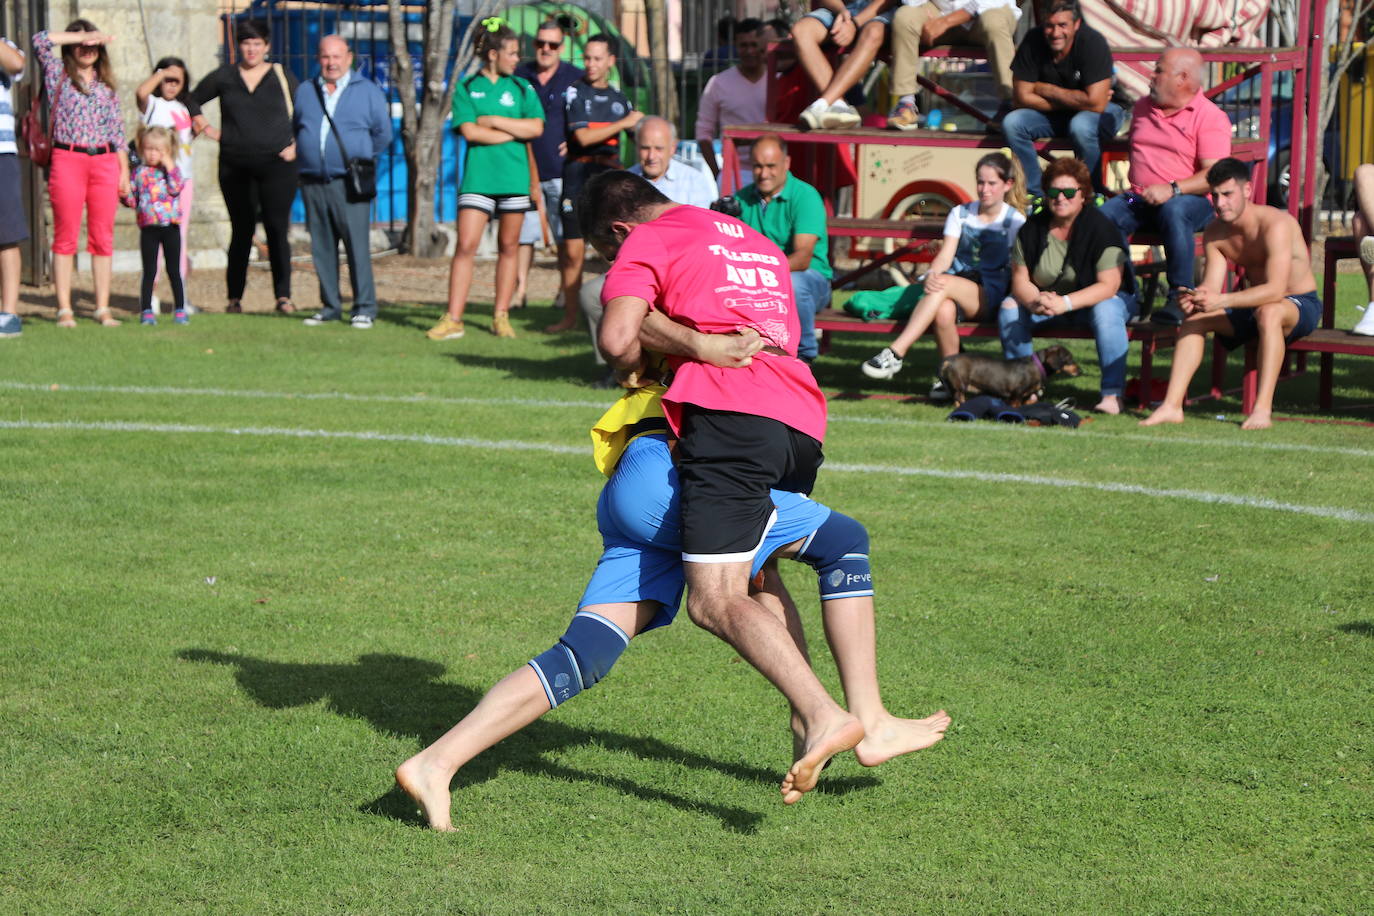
(716, 275)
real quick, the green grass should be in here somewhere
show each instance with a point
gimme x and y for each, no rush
(217, 646)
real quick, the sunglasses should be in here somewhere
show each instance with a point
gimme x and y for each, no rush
(1052, 193)
(542, 45)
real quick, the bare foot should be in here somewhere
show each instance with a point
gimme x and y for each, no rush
(429, 788)
(1257, 420)
(891, 737)
(1110, 404)
(844, 733)
(1163, 414)
(559, 327)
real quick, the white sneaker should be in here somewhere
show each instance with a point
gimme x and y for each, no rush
(155, 306)
(362, 322)
(938, 391)
(813, 116)
(841, 116)
(1367, 250)
(885, 365)
(1366, 325)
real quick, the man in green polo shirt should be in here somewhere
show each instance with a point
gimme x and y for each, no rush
(791, 214)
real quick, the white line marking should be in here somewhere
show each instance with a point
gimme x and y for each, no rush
(1202, 496)
(994, 428)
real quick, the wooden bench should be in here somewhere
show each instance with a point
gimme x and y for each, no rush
(1326, 341)
(1152, 338)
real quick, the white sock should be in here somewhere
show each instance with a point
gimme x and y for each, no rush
(907, 100)
(818, 105)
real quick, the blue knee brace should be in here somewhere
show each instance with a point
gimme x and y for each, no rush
(583, 656)
(838, 551)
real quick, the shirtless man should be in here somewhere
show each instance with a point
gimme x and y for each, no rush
(1278, 306)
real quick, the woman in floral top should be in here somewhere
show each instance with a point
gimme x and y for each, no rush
(90, 166)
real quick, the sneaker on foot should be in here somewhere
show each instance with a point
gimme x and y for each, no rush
(10, 325)
(812, 115)
(319, 318)
(446, 329)
(840, 116)
(938, 391)
(180, 317)
(1366, 325)
(362, 322)
(885, 365)
(1367, 250)
(500, 326)
(1170, 316)
(148, 317)
(904, 117)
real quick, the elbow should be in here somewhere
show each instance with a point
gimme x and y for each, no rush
(617, 342)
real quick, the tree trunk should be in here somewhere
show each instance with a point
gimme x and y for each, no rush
(665, 91)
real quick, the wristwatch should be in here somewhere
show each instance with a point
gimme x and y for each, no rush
(1174, 185)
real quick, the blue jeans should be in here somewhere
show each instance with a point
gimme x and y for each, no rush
(811, 293)
(1107, 319)
(1178, 220)
(531, 233)
(1086, 129)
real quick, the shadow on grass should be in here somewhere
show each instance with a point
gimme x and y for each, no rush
(403, 696)
(578, 368)
(1358, 628)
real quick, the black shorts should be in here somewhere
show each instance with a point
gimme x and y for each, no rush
(727, 463)
(575, 175)
(1246, 328)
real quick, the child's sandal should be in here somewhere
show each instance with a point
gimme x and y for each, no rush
(66, 318)
(106, 318)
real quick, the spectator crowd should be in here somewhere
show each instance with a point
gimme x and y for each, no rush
(1036, 249)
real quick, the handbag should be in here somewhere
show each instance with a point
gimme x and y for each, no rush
(37, 140)
(360, 175)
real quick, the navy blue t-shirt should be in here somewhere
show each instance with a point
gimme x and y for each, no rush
(555, 126)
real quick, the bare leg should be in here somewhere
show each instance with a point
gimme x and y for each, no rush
(807, 36)
(102, 270)
(856, 63)
(522, 276)
(571, 268)
(1188, 352)
(966, 296)
(63, 266)
(513, 703)
(1275, 321)
(718, 601)
(470, 226)
(9, 278)
(507, 264)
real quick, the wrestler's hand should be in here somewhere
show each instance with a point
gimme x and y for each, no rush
(729, 351)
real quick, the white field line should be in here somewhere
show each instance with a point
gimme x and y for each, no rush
(1202, 496)
(963, 428)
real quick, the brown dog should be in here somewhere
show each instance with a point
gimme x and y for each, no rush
(1016, 381)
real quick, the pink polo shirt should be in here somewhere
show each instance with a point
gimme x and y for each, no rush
(1170, 147)
(714, 274)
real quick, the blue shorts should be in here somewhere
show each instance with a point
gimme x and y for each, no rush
(827, 18)
(640, 521)
(1246, 329)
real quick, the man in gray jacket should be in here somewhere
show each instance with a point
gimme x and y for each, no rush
(363, 118)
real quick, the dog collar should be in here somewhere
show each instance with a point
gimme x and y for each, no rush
(1041, 366)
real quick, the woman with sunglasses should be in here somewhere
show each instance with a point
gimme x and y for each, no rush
(257, 158)
(1069, 268)
(90, 165)
(164, 100)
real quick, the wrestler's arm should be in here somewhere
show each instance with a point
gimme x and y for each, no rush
(618, 336)
(729, 351)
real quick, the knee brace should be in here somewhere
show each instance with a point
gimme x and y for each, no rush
(582, 656)
(838, 551)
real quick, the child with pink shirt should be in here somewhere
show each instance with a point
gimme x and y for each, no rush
(153, 191)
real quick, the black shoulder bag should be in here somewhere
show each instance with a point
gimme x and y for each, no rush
(360, 175)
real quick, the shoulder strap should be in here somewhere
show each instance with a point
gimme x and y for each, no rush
(338, 137)
(285, 91)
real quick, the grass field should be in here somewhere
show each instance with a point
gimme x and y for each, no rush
(249, 568)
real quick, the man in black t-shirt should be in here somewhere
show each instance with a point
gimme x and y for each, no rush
(596, 115)
(1061, 86)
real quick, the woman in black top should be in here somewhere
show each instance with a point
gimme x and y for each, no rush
(257, 159)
